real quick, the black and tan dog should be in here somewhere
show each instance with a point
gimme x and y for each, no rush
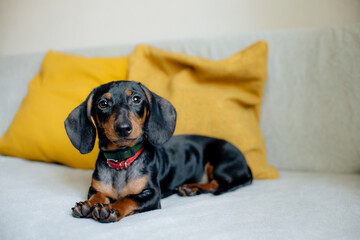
(139, 161)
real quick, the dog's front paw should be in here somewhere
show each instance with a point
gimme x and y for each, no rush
(82, 209)
(105, 213)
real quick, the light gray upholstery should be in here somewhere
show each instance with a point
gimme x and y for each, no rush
(311, 125)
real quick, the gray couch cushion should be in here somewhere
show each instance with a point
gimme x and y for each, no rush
(37, 198)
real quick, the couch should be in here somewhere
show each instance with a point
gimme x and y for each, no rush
(310, 120)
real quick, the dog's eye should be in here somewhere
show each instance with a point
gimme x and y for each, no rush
(103, 104)
(136, 99)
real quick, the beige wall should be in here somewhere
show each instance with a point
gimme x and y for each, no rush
(38, 25)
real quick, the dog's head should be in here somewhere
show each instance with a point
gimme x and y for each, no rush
(124, 113)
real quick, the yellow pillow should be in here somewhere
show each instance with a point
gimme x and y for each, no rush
(37, 131)
(214, 98)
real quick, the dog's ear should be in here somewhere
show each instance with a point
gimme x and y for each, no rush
(79, 127)
(160, 124)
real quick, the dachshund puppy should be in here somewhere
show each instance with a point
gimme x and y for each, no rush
(139, 161)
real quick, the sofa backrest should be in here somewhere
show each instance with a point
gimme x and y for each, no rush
(311, 113)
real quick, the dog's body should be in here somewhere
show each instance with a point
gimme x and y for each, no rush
(139, 162)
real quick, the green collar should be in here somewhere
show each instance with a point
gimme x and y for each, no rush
(123, 159)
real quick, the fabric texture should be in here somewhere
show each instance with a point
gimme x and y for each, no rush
(215, 98)
(310, 121)
(37, 131)
(296, 206)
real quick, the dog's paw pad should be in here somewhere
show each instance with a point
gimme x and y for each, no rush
(81, 209)
(105, 213)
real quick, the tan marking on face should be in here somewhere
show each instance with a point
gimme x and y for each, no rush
(114, 140)
(109, 128)
(108, 96)
(109, 132)
(137, 125)
(128, 92)
(106, 189)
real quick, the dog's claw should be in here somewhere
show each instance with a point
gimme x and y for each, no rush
(81, 210)
(112, 217)
(76, 212)
(85, 210)
(95, 212)
(104, 213)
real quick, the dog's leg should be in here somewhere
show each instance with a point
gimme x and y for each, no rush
(197, 188)
(226, 169)
(116, 211)
(208, 185)
(84, 209)
(148, 200)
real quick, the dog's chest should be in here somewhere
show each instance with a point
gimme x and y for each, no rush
(117, 184)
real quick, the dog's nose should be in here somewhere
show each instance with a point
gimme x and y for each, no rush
(124, 129)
